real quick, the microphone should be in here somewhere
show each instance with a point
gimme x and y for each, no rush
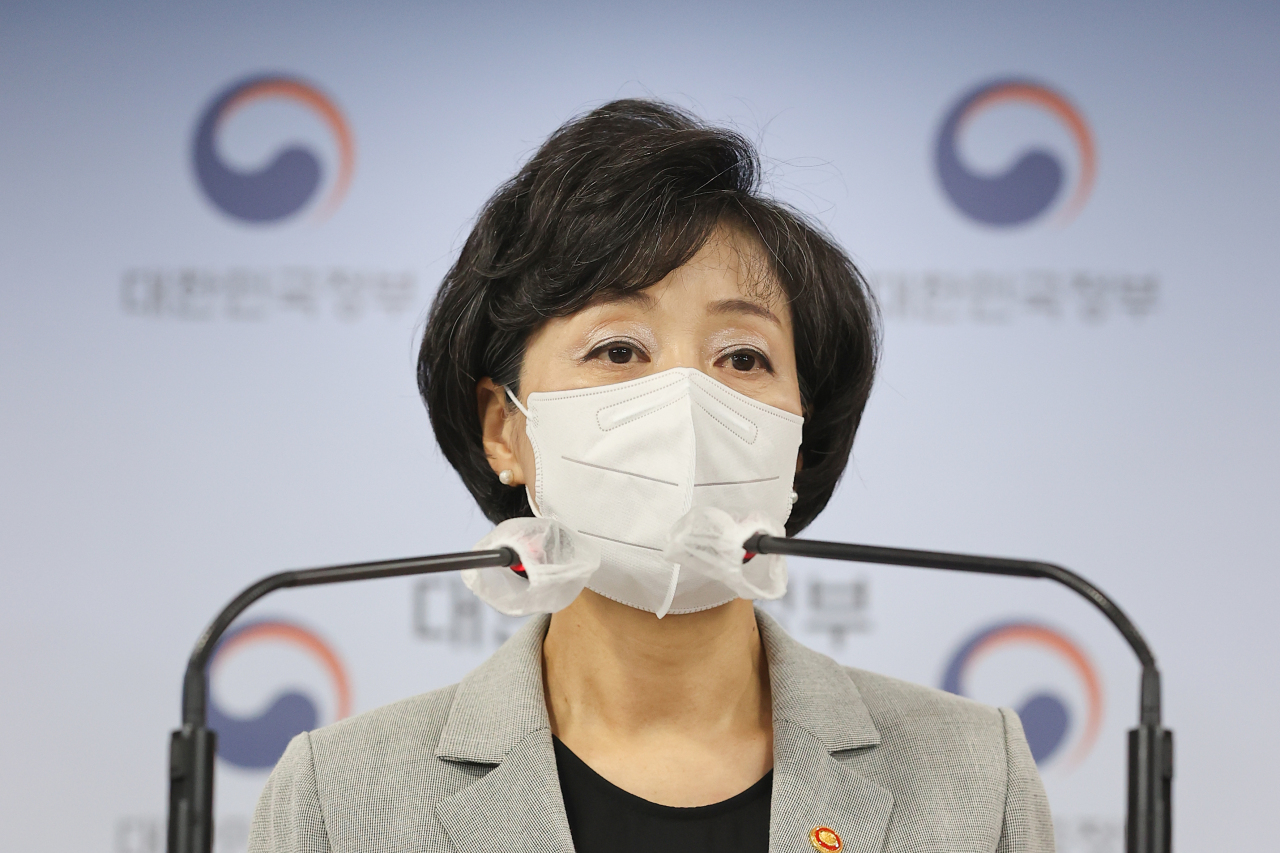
(1149, 824)
(192, 748)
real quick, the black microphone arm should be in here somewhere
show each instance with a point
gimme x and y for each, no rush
(192, 748)
(1150, 810)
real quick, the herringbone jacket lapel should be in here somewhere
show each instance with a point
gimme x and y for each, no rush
(499, 718)
(817, 715)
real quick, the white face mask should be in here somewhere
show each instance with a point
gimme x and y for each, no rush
(622, 463)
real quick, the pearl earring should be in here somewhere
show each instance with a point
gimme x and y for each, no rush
(506, 477)
(794, 496)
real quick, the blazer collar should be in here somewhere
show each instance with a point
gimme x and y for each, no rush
(499, 717)
(813, 692)
(502, 701)
(516, 806)
(818, 711)
(499, 703)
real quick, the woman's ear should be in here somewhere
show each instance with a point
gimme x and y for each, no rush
(496, 422)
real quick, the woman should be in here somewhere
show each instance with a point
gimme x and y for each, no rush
(630, 294)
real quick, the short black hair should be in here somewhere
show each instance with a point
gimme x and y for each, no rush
(611, 203)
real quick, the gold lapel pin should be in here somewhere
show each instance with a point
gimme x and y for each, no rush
(825, 839)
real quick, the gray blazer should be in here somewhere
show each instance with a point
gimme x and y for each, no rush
(888, 765)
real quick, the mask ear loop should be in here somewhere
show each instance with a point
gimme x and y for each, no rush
(533, 504)
(515, 400)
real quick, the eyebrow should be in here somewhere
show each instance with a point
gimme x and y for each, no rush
(635, 297)
(744, 306)
(723, 306)
(639, 297)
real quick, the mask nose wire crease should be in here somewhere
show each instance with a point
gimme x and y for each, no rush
(688, 501)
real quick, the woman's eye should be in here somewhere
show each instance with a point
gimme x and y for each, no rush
(746, 360)
(618, 352)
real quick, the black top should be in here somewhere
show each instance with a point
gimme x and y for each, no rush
(603, 818)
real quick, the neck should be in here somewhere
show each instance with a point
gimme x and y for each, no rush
(613, 671)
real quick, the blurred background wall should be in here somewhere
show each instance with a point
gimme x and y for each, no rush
(220, 227)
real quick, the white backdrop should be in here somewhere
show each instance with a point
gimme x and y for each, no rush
(189, 400)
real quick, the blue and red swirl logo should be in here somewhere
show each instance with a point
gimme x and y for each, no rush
(293, 175)
(1043, 674)
(318, 690)
(1035, 180)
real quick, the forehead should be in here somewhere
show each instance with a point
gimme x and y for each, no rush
(729, 272)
